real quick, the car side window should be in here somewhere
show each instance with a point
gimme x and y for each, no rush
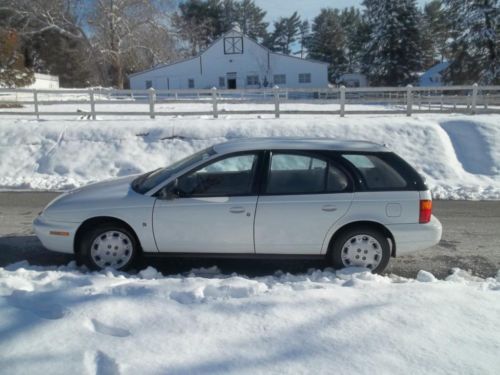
(303, 174)
(226, 177)
(376, 173)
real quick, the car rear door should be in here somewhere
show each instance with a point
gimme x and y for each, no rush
(211, 209)
(303, 195)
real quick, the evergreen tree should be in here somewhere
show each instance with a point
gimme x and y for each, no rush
(338, 38)
(200, 22)
(53, 53)
(328, 42)
(304, 37)
(393, 52)
(357, 35)
(435, 32)
(251, 19)
(286, 33)
(475, 41)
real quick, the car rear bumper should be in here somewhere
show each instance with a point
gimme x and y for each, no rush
(413, 237)
(55, 236)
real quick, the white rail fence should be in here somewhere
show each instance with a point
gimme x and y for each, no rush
(274, 101)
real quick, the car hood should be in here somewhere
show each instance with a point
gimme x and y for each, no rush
(98, 195)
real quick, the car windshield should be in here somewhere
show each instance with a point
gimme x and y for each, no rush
(149, 180)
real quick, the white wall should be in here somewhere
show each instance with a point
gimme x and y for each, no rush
(44, 81)
(213, 63)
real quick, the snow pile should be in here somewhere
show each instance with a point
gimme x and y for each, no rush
(57, 320)
(459, 155)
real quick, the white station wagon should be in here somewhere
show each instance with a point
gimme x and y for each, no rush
(353, 203)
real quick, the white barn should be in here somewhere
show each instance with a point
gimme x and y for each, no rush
(234, 61)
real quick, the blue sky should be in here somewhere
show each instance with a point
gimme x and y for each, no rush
(307, 9)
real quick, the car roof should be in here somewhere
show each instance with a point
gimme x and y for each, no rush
(293, 143)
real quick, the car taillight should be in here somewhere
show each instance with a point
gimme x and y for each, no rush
(425, 211)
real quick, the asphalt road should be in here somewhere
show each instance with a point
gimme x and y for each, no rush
(471, 241)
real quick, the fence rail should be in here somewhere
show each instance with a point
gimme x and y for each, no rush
(361, 100)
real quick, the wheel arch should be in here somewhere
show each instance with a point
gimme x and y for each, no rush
(363, 223)
(99, 220)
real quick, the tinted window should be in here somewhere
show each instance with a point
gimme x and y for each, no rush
(376, 173)
(300, 174)
(229, 176)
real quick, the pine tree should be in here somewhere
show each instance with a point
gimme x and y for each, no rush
(393, 52)
(328, 42)
(304, 38)
(251, 19)
(338, 38)
(200, 22)
(475, 41)
(435, 33)
(285, 34)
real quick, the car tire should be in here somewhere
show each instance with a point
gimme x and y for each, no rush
(108, 245)
(361, 247)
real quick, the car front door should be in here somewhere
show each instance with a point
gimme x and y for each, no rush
(303, 196)
(210, 209)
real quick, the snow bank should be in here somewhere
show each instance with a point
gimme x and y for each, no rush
(459, 155)
(60, 320)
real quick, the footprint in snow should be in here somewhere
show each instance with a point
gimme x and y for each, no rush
(35, 304)
(99, 363)
(108, 330)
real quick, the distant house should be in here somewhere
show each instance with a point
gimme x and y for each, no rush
(234, 61)
(353, 80)
(433, 76)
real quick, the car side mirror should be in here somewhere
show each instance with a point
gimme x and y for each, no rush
(170, 192)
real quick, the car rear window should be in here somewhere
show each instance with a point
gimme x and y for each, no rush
(377, 173)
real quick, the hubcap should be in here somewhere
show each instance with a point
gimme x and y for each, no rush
(111, 249)
(362, 251)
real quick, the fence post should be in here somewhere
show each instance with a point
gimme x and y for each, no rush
(486, 97)
(152, 98)
(92, 103)
(342, 101)
(35, 100)
(474, 98)
(409, 100)
(214, 102)
(276, 102)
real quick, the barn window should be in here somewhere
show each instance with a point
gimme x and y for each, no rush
(222, 82)
(233, 45)
(305, 78)
(280, 79)
(252, 80)
(190, 83)
(149, 84)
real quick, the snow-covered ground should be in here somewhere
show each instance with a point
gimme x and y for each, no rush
(60, 321)
(458, 154)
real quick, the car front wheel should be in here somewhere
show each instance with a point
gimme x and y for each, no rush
(361, 247)
(108, 246)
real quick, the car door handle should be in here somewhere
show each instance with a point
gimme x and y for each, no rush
(237, 210)
(329, 208)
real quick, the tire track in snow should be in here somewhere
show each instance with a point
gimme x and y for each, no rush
(44, 157)
(99, 363)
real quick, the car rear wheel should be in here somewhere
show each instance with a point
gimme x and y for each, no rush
(361, 247)
(108, 246)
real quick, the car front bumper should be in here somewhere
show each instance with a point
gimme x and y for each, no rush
(413, 237)
(55, 235)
